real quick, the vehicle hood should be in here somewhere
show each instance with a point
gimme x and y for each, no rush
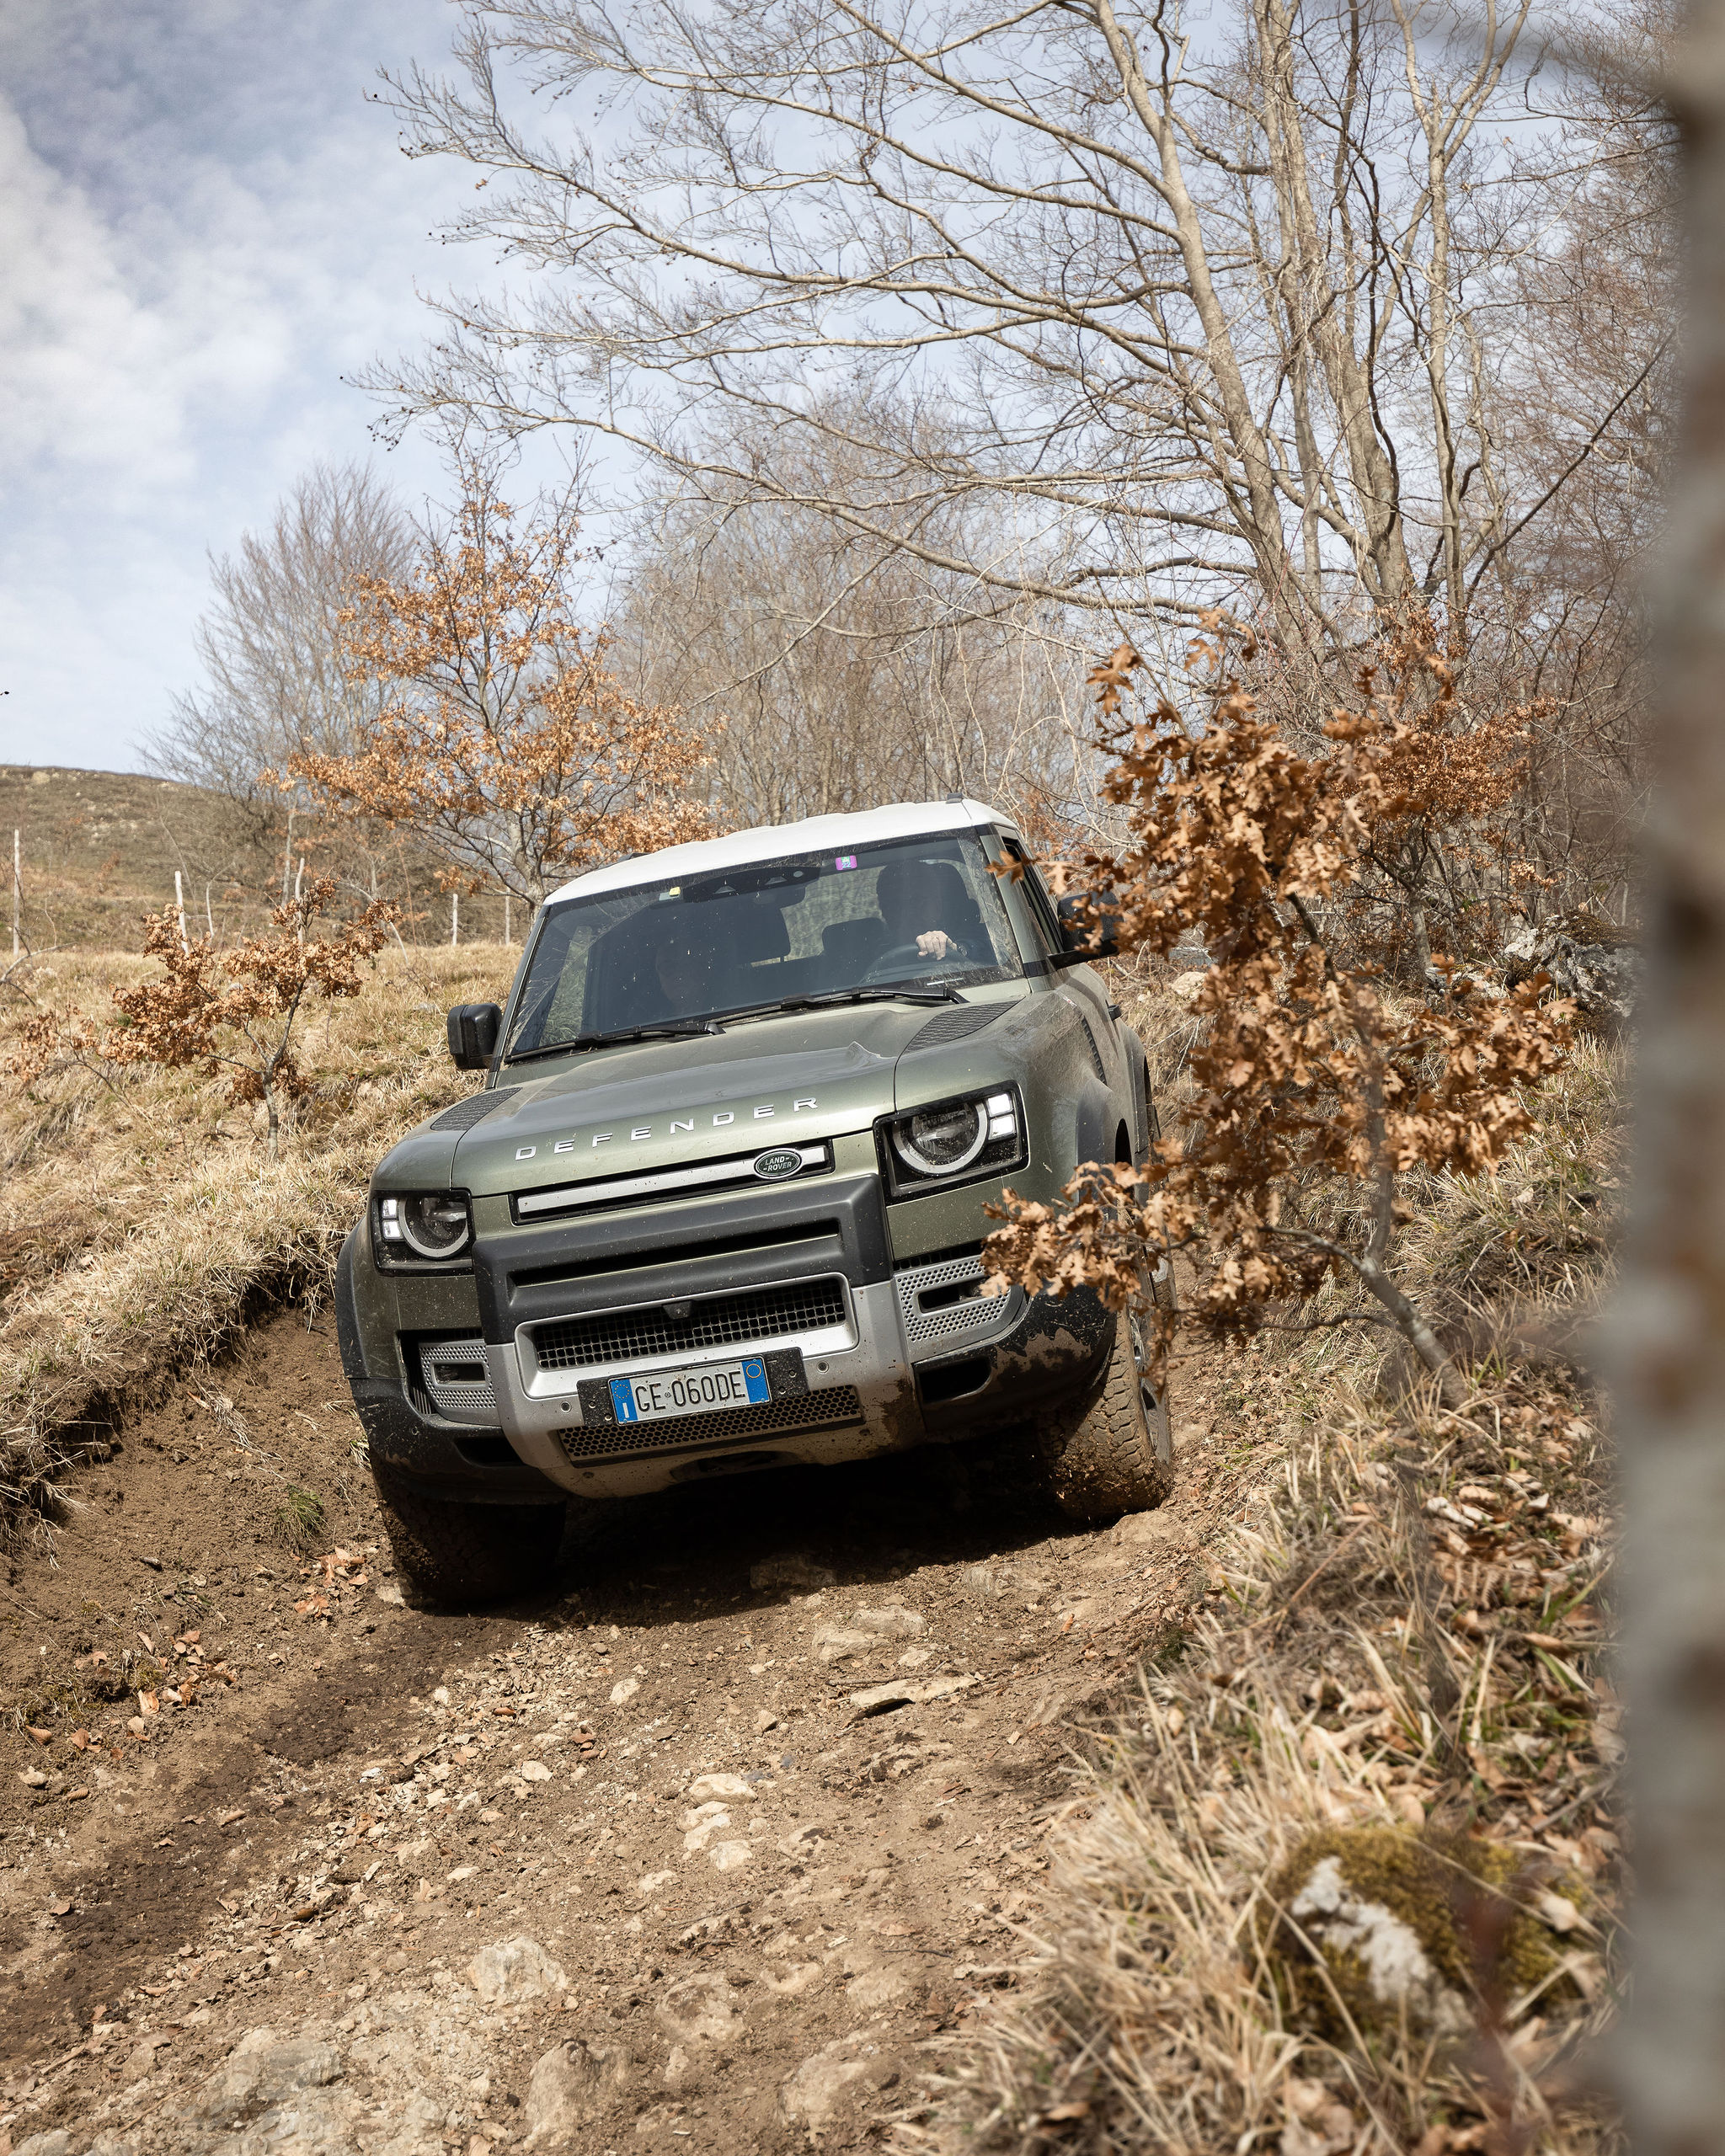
(655, 1104)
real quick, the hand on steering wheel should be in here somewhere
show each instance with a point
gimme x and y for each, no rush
(911, 957)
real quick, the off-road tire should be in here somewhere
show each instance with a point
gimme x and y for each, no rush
(1113, 1453)
(459, 1554)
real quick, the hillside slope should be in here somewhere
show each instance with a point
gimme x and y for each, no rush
(98, 849)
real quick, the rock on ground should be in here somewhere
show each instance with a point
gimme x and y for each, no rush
(698, 2010)
(809, 2096)
(514, 1971)
(705, 1788)
(568, 2086)
(263, 2069)
(1589, 964)
(791, 1569)
(895, 1622)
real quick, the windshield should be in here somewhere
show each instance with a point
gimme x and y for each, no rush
(922, 911)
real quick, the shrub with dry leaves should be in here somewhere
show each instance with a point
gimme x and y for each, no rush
(1316, 1087)
(233, 1011)
(506, 745)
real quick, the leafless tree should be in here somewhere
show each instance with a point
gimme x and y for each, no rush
(276, 682)
(1593, 301)
(845, 671)
(1205, 312)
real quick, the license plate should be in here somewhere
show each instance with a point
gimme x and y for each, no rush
(708, 1391)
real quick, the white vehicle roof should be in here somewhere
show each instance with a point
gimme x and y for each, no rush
(902, 819)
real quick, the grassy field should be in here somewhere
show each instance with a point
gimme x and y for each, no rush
(98, 850)
(139, 1218)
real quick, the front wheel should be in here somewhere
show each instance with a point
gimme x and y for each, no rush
(457, 1553)
(1115, 1453)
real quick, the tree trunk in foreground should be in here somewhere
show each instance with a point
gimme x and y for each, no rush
(1670, 1328)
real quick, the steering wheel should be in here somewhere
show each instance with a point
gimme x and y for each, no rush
(909, 955)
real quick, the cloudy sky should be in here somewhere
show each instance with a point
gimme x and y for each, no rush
(204, 226)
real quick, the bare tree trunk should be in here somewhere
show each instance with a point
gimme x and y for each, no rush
(1671, 1320)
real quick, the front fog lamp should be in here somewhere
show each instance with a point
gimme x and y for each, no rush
(431, 1223)
(937, 1143)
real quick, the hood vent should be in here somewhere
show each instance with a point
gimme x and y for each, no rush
(466, 1113)
(955, 1025)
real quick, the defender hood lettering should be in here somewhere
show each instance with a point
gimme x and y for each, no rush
(640, 1106)
(661, 1103)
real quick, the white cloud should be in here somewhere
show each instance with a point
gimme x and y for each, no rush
(204, 227)
(93, 372)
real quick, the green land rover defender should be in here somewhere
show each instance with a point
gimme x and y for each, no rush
(719, 1205)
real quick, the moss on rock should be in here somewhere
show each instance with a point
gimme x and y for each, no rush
(1387, 1912)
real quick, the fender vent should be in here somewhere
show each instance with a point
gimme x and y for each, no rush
(457, 1380)
(466, 1113)
(1094, 1052)
(935, 1300)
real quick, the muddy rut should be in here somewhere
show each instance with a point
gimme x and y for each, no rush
(711, 1845)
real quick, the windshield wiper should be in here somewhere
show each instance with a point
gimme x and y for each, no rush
(835, 998)
(687, 1028)
(666, 1029)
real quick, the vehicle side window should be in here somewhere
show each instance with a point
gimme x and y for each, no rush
(1042, 906)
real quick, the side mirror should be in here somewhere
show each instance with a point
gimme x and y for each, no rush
(474, 1028)
(1082, 943)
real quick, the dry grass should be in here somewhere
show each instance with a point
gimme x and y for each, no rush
(1413, 1636)
(1161, 1014)
(1148, 2013)
(1542, 1229)
(139, 1220)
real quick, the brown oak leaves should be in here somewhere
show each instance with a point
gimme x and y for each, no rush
(506, 746)
(1315, 1086)
(233, 1011)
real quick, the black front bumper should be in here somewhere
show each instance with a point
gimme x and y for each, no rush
(472, 1467)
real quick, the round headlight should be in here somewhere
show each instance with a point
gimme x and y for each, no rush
(435, 1223)
(940, 1141)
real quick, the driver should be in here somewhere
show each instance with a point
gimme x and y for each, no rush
(909, 897)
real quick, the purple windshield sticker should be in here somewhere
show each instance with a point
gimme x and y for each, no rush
(845, 861)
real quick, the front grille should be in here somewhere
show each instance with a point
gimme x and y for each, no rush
(838, 1403)
(716, 1322)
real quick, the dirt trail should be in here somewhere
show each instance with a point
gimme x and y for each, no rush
(701, 1848)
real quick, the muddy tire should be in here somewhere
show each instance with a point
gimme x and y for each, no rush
(456, 1553)
(1114, 1454)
